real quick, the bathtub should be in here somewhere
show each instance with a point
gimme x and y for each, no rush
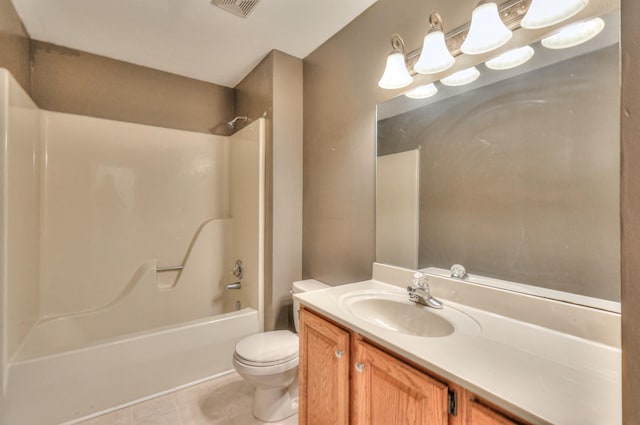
(106, 374)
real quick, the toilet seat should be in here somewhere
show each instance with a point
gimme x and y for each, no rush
(248, 362)
(267, 349)
(243, 368)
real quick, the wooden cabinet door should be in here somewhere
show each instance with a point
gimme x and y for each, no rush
(386, 391)
(323, 372)
(481, 415)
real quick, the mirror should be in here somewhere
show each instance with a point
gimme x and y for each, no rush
(515, 176)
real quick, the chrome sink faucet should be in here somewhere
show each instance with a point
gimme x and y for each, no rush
(419, 292)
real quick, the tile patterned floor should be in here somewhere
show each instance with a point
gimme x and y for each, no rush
(222, 401)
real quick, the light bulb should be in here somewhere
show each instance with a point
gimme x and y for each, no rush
(511, 59)
(461, 78)
(435, 56)
(574, 34)
(422, 92)
(486, 32)
(395, 74)
(544, 13)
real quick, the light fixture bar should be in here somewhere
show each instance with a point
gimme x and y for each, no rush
(511, 12)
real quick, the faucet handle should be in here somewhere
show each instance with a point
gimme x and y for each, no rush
(458, 271)
(238, 269)
(420, 280)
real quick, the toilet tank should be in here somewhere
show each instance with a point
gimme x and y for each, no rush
(303, 286)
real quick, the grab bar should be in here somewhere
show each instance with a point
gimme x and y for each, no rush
(169, 269)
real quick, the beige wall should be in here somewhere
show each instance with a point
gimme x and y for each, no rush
(254, 94)
(274, 89)
(67, 80)
(14, 44)
(630, 211)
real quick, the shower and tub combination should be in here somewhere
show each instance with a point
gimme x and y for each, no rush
(118, 241)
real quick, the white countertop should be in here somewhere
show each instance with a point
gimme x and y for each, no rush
(543, 376)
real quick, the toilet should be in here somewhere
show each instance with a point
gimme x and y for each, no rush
(269, 362)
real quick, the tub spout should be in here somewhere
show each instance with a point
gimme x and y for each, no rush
(234, 285)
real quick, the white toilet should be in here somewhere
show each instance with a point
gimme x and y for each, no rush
(269, 362)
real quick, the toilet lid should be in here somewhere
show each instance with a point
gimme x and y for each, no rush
(268, 347)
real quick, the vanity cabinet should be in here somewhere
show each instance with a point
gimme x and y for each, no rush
(323, 372)
(345, 379)
(481, 415)
(385, 390)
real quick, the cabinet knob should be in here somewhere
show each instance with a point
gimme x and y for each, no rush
(359, 367)
(339, 353)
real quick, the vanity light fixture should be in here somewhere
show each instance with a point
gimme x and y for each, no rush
(395, 74)
(460, 78)
(487, 31)
(544, 13)
(574, 34)
(422, 92)
(511, 59)
(435, 56)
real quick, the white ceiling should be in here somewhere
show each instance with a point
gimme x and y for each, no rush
(188, 37)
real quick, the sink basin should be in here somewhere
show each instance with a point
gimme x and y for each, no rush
(394, 312)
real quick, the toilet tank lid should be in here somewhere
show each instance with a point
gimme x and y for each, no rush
(268, 347)
(308, 285)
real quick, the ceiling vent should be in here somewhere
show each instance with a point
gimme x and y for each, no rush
(237, 7)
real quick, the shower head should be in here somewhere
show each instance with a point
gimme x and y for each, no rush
(232, 123)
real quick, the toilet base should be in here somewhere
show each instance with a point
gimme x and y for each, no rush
(275, 404)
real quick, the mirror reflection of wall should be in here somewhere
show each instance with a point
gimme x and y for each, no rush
(519, 180)
(397, 208)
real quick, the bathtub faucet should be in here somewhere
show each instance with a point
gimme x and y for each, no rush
(234, 285)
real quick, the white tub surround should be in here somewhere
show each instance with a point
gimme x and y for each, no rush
(542, 375)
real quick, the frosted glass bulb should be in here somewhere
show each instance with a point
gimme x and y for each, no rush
(487, 31)
(574, 35)
(422, 92)
(435, 56)
(511, 59)
(461, 78)
(395, 74)
(544, 13)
